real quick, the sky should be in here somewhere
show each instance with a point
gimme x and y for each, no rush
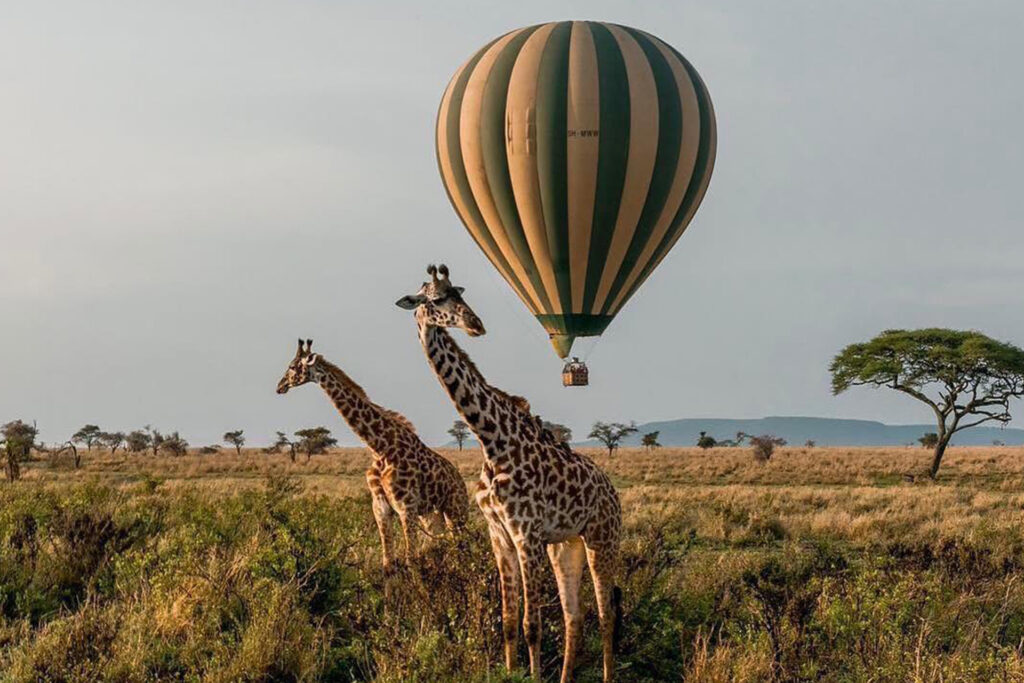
(187, 187)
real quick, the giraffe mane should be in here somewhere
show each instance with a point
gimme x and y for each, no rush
(351, 385)
(397, 417)
(518, 402)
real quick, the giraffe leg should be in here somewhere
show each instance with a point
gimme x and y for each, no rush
(531, 565)
(603, 560)
(434, 527)
(407, 519)
(567, 559)
(382, 514)
(508, 574)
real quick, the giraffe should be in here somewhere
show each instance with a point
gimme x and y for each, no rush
(538, 496)
(406, 478)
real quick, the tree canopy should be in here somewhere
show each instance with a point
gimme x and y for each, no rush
(137, 441)
(236, 439)
(558, 431)
(459, 432)
(611, 434)
(283, 441)
(112, 440)
(706, 441)
(88, 435)
(315, 440)
(18, 439)
(965, 377)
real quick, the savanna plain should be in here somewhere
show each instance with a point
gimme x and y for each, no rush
(826, 564)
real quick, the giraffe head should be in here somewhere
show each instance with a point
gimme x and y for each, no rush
(304, 368)
(439, 303)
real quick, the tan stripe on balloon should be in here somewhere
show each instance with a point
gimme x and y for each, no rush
(473, 160)
(582, 153)
(643, 147)
(458, 200)
(698, 197)
(520, 111)
(684, 167)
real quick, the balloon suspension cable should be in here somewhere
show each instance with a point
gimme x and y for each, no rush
(585, 346)
(504, 296)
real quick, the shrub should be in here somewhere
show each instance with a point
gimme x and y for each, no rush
(706, 441)
(764, 446)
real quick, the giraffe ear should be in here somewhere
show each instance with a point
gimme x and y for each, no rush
(460, 290)
(311, 359)
(410, 302)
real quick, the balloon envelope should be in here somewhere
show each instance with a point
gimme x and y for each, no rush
(576, 153)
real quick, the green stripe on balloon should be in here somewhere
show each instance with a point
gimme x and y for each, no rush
(702, 167)
(563, 329)
(670, 135)
(613, 151)
(552, 154)
(459, 178)
(495, 156)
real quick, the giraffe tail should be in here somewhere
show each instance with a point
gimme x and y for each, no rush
(617, 625)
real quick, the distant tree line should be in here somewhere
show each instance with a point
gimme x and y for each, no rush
(19, 439)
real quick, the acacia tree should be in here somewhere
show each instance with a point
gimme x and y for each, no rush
(650, 440)
(155, 439)
(315, 440)
(173, 443)
(88, 435)
(112, 440)
(284, 442)
(236, 439)
(965, 377)
(560, 432)
(611, 434)
(706, 441)
(137, 441)
(459, 432)
(18, 439)
(929, 440)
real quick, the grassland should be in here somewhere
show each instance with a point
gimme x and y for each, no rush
(823, 564)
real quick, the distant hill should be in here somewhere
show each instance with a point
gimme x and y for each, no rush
(822, 430)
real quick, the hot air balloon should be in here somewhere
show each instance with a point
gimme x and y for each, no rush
(576, 153)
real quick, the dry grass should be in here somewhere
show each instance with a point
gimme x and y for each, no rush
(822, 564)
(677, 466)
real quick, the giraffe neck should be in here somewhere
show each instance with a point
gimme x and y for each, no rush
(363, 416)
(475, 400)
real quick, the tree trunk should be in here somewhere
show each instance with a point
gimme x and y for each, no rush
(940, 450)
(13, 468)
